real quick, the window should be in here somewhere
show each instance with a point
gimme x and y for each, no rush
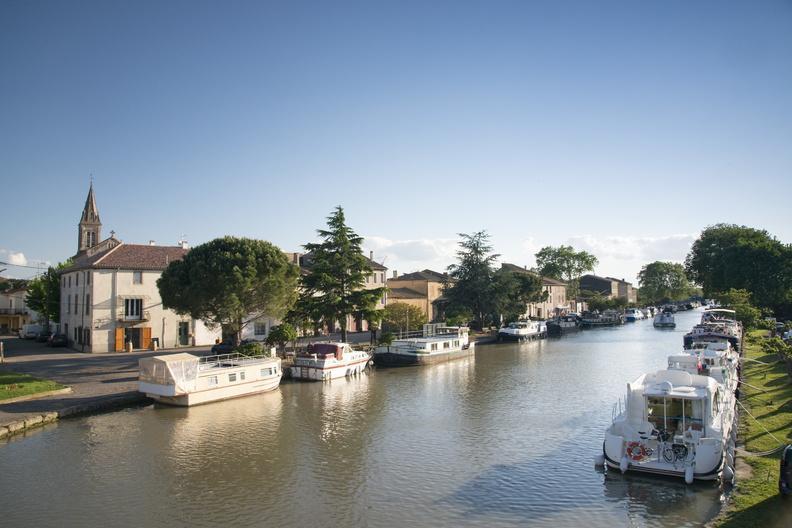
(260, 329)
(212, 380)
(382, 277)
(75, 334)
(76, 279)
(133, 308)
(88, 277)
(137, 277)
(232, 377)
(69, 281)
(87, 304)
(242, 376)
(76, 299)
(266, 372)
(68, 304)
(86, 336)
(434, 346)
(446, 344)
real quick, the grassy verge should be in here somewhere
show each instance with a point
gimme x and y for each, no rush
(13, 385)
(755, 501)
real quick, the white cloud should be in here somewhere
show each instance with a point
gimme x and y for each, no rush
(414, 254)
(17, 259)
(623, 256)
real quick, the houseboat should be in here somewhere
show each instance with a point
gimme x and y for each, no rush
(327, 361)
(437, 343)
(606, 318)
(675, 423)
(184, 379)
(664, 319)
(633, 314)
(715, 330)
(523, 331)
(563, 325)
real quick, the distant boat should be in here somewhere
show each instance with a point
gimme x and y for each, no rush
(664, 320)
(184, 379)
(633, 314)
(436, 344)
(327, 361)
(522, 331)
(606, 318)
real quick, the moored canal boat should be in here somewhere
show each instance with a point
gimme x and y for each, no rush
(184, 379)
(436, 344)
(664, 319)
(522, 331)
(327, 361)
(606, 318)
(563, 325)
(633, 314)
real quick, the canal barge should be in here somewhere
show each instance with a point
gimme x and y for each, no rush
(327, 361)
(184, 379)
(716, 325)
(436, 344)
(522, 331)
(563, 325)
(606, 318)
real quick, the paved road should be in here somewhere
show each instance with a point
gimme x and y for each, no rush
(93, 377)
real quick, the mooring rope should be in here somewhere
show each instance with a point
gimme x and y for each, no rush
(781, 445)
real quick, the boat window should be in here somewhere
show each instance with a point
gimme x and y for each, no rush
(242, 375)
(456, 343)
(232, 376)
(266, 372)
(675, 415)
(446, 344)
(716, 402)
(434, 346)
(212, 380)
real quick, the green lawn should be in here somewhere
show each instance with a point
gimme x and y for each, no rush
(13, 385)
(755, 501)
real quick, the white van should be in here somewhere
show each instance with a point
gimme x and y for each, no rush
(29, 331)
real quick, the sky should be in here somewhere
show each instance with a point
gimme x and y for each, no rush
(621, 128)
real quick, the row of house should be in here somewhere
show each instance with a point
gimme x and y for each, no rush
(14, 312)
(110, 299)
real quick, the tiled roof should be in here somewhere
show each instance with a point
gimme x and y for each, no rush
(404, 293)
(130, 257)
(305, 263)
(427, 275)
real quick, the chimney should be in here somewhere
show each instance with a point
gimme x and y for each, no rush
(151, 243)
(371, 255)
(395, 274)
(183, 244)
(525, 266)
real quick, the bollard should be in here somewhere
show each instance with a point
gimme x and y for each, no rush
(2, 357)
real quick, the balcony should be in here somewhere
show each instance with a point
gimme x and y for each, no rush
(13, 311)
(124, 318)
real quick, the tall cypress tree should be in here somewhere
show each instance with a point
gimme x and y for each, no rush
(334, 287)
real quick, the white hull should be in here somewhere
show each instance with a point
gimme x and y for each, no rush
(214, 394)
(315, 373)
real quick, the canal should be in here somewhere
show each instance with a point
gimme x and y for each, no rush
(503, 439)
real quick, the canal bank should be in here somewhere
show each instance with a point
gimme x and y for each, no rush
(767, 396)
(504, 438)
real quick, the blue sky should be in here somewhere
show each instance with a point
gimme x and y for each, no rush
(623, 128)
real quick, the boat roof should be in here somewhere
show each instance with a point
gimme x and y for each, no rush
(173, 358)
(720, 310)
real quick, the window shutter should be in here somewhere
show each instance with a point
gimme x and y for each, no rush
(146, 340)
(119, 339)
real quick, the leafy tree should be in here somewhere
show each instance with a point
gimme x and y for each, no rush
(43, 294)
(597, 301)
(230, 282)
(728, 256)
(470, 285)
(663, 282)
(566, 264)
(282, 334)
(514, 290)
(403, 317)
(334, 288)
(740, 302)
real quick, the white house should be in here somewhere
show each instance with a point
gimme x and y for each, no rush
(109, 294)
(14, 311)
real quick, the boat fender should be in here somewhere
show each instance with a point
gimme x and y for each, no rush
(689, 474)
(728, 474)
(624, 464)
(729, 458)
(599, 460)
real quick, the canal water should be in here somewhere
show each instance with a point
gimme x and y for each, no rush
(503, 439)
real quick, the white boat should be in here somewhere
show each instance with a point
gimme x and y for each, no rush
(633, 314)
(326, 361)
(436, 344)
(716, 325)
(523, 331)
(664, 320)
(184, 379)
(681, 421)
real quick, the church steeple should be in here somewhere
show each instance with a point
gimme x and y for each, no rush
(90, 227)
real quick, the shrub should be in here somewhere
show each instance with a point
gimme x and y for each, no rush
(386, 339)
(251, 349)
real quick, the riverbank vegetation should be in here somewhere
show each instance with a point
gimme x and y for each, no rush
(14, 385)
(767, 395)
(663, 282)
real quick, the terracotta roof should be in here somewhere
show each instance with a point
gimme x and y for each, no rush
(426, 274)
(404, 293)
(130, 257)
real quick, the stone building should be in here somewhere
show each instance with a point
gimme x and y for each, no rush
(14, 312)
(556, 302)
(423, 289)
(109, 294)
(609, 287)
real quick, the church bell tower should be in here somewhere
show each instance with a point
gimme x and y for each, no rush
(89, 230)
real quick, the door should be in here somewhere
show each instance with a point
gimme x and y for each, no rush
(145, 341)
(133, 335)
(119, 339)
(184, 333)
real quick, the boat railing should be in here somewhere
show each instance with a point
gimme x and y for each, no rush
(418, 334)
(228, 361)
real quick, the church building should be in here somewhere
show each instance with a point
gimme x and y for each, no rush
(109, 295)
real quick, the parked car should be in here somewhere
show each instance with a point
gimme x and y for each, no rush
(58, 340)
(226, 347)
(785, 475)
(43, 336)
